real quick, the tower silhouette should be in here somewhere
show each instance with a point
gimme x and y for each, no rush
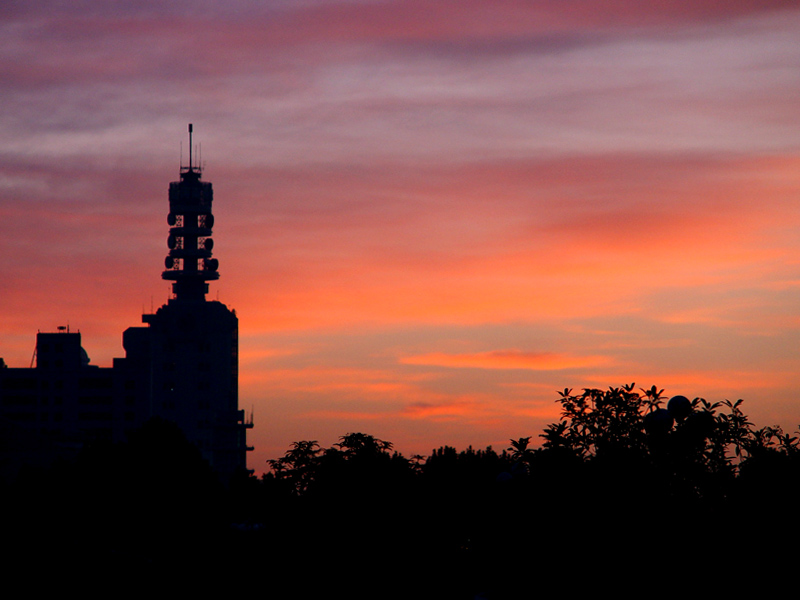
(189, 263)
(191, 344)
(183, 366)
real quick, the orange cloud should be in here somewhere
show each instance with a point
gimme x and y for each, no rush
(508, 359)
(342, 415)
(439, 411)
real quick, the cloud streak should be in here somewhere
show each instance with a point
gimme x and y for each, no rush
(508, 359)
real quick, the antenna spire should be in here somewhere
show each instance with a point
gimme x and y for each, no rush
(190, 146)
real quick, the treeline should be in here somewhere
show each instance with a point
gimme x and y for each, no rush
(623, 486)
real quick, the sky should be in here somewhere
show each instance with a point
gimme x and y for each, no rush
(430, 215)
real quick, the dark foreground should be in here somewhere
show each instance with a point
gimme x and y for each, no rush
(614, 501)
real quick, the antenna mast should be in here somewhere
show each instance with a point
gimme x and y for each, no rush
(190, 146)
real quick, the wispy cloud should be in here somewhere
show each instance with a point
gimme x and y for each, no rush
(508, 359)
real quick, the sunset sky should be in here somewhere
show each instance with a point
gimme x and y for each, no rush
(430, 215)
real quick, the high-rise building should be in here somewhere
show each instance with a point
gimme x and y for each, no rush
(182, 366)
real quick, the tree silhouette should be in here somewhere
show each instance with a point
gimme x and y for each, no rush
(298, 466)
(640, 474)
(619, 424)
(362, 444)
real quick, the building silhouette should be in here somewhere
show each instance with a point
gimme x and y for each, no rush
(182, 366)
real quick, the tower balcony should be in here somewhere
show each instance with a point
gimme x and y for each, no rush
(178, 274)
(190, 231)
(190, 253)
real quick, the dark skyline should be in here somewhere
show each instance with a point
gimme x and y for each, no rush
(181, 369)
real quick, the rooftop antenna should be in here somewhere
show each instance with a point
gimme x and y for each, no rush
(190, 146)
